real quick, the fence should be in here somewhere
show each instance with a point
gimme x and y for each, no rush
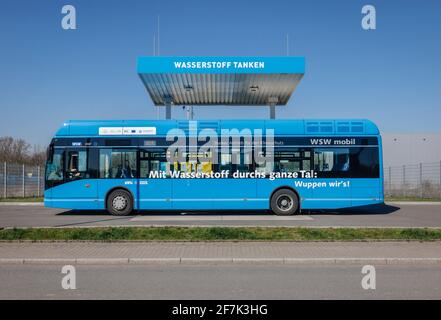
(20, 180)
(410, 181)
(413, 181)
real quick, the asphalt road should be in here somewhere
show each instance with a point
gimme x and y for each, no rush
(221, 282)
(390, 215)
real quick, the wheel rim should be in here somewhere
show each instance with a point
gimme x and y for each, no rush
(284, 202)
(119, 203)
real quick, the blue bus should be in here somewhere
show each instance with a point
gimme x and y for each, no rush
(124, 166)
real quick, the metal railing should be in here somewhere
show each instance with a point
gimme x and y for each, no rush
(20, 181)
(421, 180)
(408, 181)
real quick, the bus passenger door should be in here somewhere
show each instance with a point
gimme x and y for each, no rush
(155, 187)
(117, 169)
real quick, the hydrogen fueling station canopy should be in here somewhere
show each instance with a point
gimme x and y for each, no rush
(235, 81)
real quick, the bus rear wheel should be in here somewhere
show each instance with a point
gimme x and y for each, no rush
(284, 202)
(119, 203)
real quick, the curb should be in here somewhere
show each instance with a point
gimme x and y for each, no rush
(4, 203)
(414, 203)
(184, 261)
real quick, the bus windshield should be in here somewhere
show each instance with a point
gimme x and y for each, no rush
(54, 166)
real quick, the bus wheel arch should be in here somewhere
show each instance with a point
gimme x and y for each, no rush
(119, 201)
(285, 194)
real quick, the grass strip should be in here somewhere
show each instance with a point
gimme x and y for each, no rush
(218, 234)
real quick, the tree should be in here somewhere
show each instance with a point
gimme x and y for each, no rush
(19, 151)
(38, 156)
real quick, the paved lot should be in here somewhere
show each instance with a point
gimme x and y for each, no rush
(221, 282)
(219, 252)
(220, 270)
(391, 215)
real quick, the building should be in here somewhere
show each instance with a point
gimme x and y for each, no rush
(411, 148)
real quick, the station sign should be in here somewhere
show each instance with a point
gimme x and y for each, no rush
(210, 65)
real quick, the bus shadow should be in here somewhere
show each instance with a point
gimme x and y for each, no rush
(374, 209)
(224, 213)
(84, 213)
(377, 209)
(168, 213)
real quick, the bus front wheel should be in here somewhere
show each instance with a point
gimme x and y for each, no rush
(284, 202)
(119, 203)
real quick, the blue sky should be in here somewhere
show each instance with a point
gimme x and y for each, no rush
(48, 75)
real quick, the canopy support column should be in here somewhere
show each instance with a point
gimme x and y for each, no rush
(167, 103)
(272, 102)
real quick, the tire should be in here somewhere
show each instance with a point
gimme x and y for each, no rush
(284, 202)
(120, 203)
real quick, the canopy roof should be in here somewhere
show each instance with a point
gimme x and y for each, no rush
(254, 81)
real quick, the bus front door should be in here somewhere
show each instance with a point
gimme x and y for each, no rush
(82, 190)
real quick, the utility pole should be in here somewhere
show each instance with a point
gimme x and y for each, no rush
(157, 47)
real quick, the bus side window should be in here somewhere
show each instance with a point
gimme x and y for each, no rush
(245, 163)
(292, 159)
(225, 162)
(347, 162)
(265, 167)
(365, 162)
(331, 160)
(118, 164)
(196, 162)
(207, 165)
(152, 162)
